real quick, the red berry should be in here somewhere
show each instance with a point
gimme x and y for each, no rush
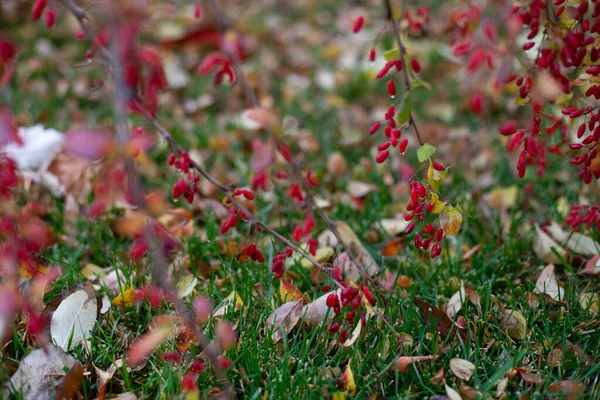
(358, 24)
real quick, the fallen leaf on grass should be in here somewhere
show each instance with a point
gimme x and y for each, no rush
(503, 197)
(402, 364)
(285, 318)
(289, 292)
(354, 335)
(592, 266)
(124, 299)
(70, 384)
(356, 247)
(323, 256)
(359, 189)
(74, 318)
(451, 393)
(548, 284)
(185, 286)
(104, 377)
(349, 382)
(545, 247)
(570, 390)
(455, 303)
(443, 323)
(392, 248)
(451, 220)
(462, 369)
(394, 226)
(315, 312)
(514, 323)
(233, 300)
(40, 372)
(574, 241)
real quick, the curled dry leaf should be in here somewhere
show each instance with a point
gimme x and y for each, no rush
(455, 303)
(104, 377)
(355, 334)
(357, 248)
(545, 247)
(285, 318)
(592, 266)
(74, 318)
(462, 369)
(402, 364)
(40, 372)
(548, 284)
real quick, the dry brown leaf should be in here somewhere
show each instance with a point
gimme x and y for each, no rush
(443, 324)
(70, 384)
(555, 357)
(74, 174)
(402, 364)
(285, 318)
(530, 377)
(391, 249)
(548, 284)
(438, 378)
(314, 313)
(571, 390)
(462, 369)
(468, 393)
(40, 372)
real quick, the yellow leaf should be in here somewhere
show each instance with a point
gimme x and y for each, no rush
(232, 300)
(324, 255)
(338, 396)
(289, 292)
(125, 299)
(438, 205)
(451, 220)
(349, 383)
(435, 177)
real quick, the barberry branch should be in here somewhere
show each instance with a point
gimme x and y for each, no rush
(295, 165)
(402, 51)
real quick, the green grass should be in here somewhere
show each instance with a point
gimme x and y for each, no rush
(502, 272)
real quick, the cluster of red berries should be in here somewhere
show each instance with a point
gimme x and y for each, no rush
(348, 300)
(278, 262)
(584, 215)
(38, 9)
(252, 252)
(589, 160)
(417, 208)
(184, 188)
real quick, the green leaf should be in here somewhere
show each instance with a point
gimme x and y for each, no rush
(404, 111)
(451, 220)
(391, 54)
(420, 83)
(425, 152)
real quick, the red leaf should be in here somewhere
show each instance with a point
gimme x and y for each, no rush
(8, 129)
(92, 145)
